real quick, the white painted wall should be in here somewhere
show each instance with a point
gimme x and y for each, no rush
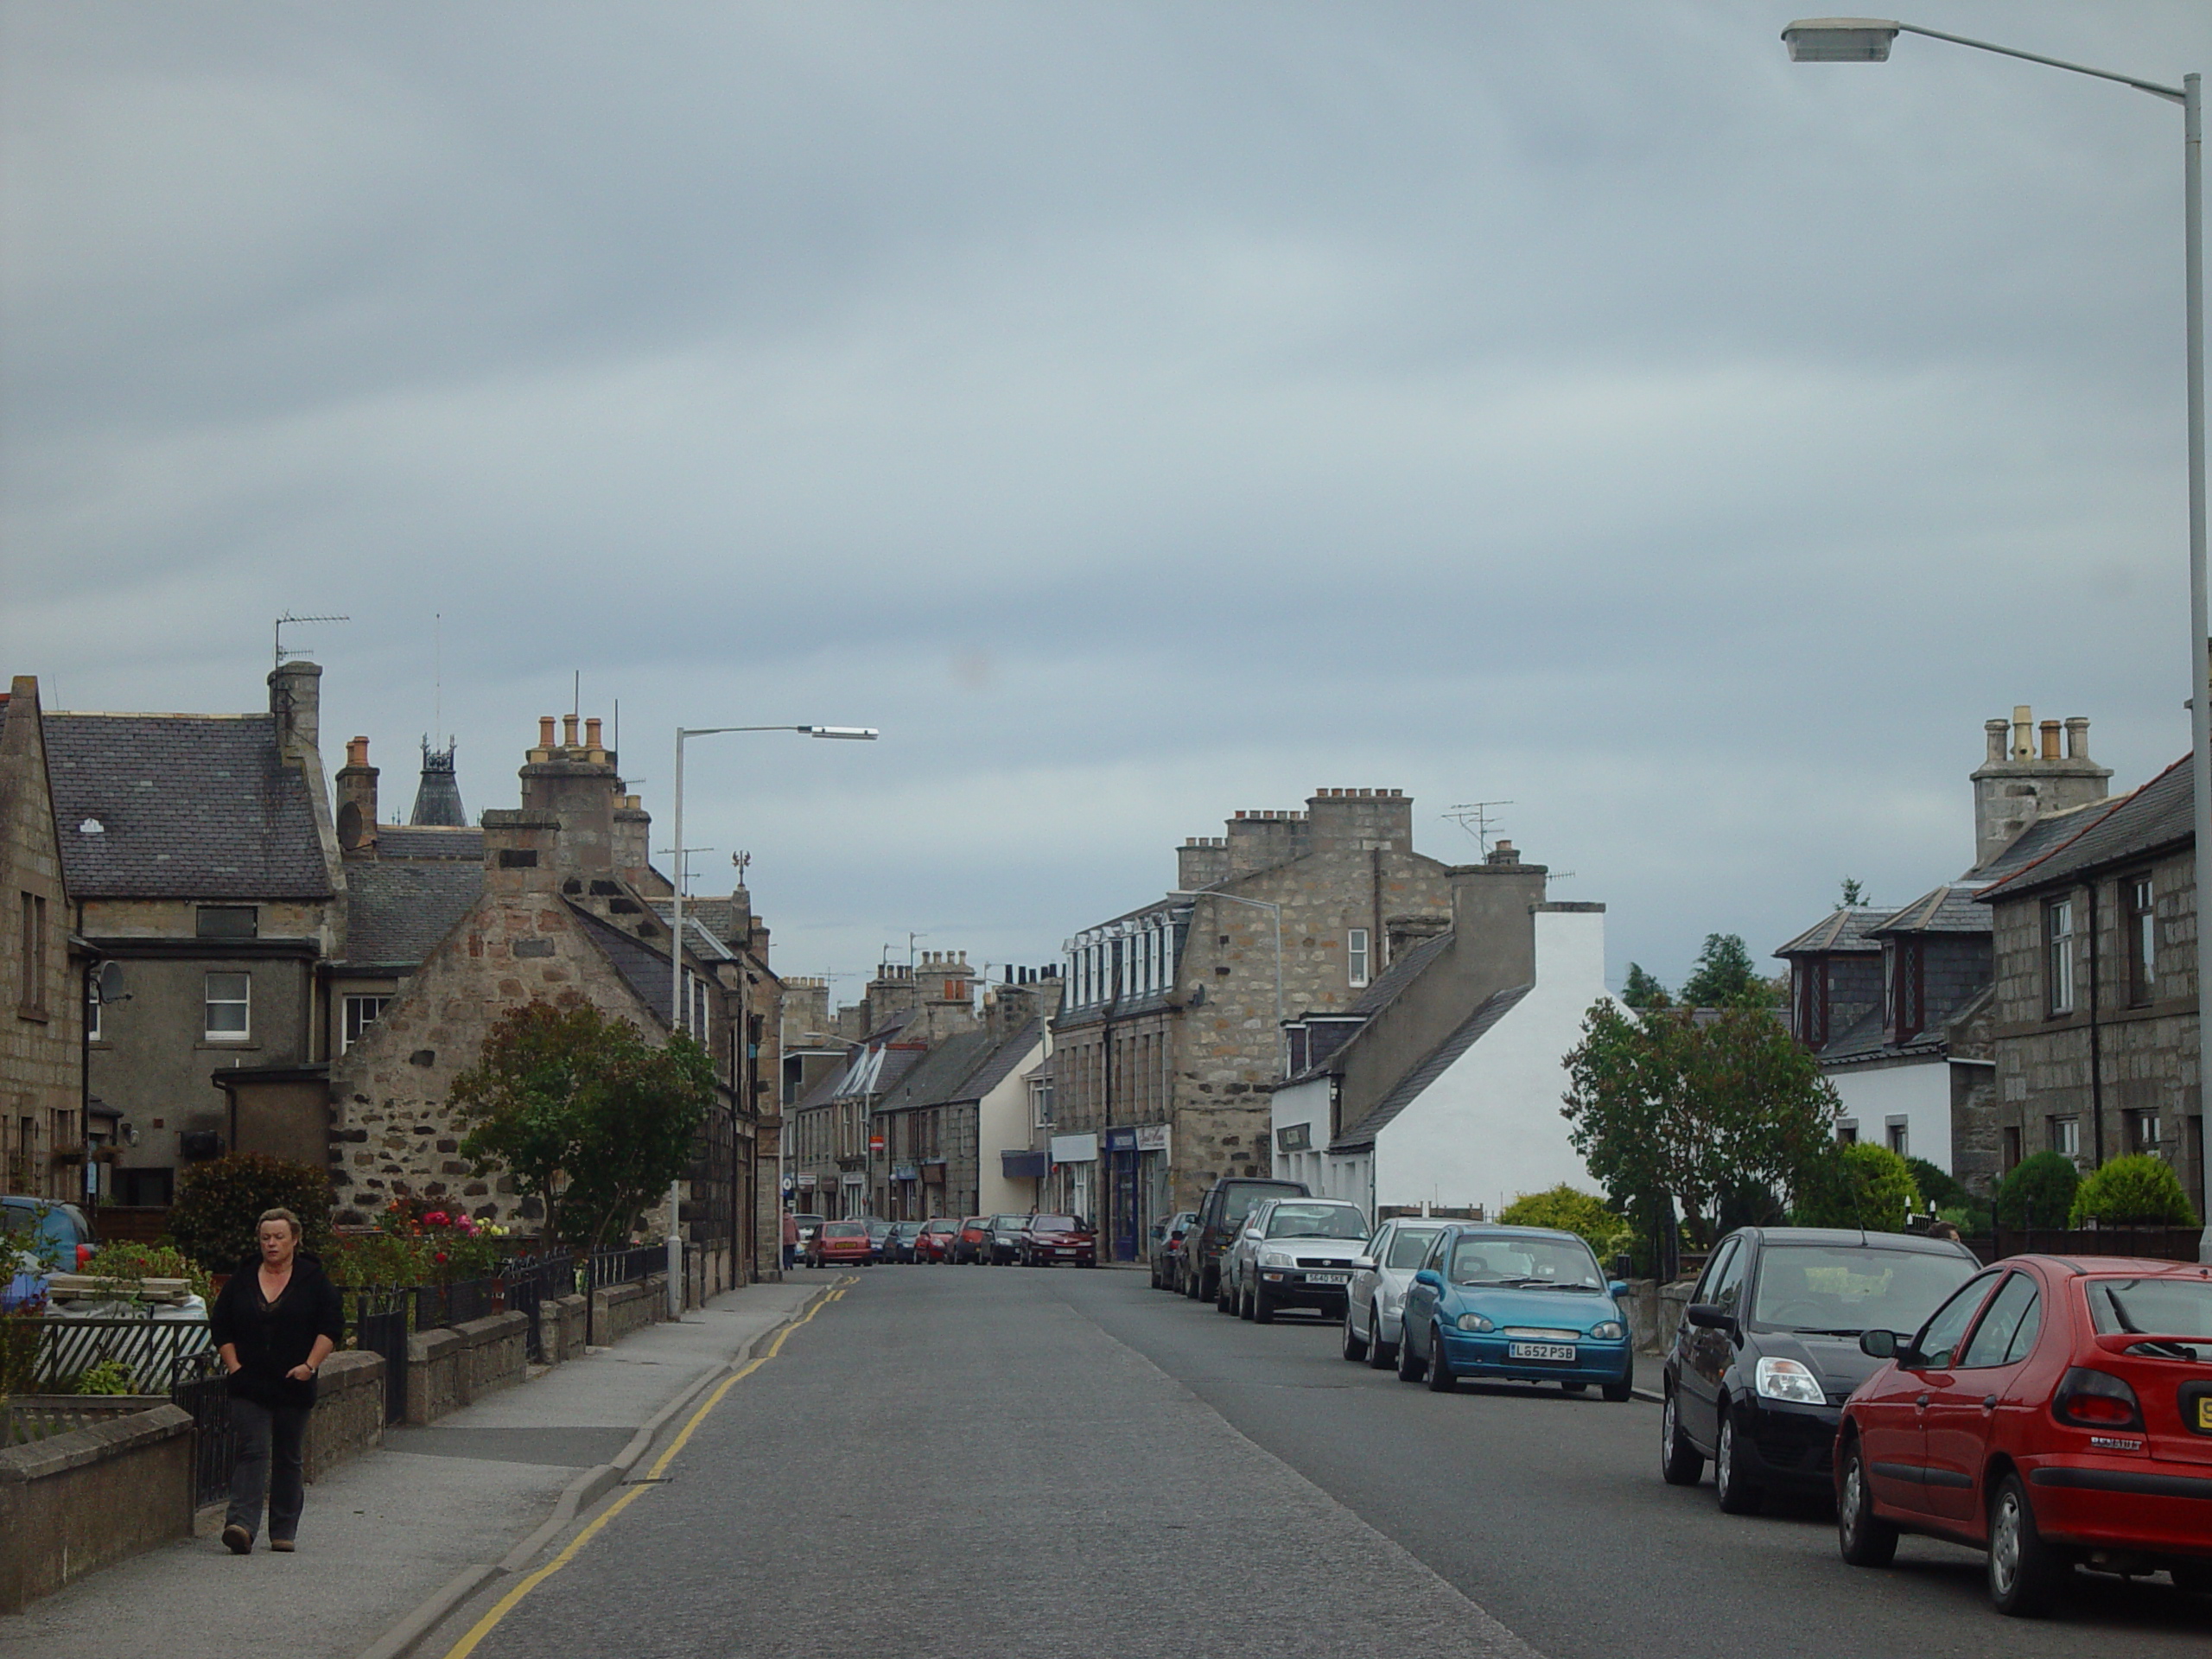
(1490, 1129)
(1917, 1090)
(1002, 1124)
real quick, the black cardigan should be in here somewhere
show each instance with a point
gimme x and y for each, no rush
(271, 1340)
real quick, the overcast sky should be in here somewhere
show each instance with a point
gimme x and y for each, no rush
(1141, 411)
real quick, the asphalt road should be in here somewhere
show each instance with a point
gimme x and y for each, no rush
(1047, 1463)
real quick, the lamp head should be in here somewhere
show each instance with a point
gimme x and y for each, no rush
(850, 734)
(1840, 39)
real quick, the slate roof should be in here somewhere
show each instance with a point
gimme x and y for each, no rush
(1947, 910)
(999, 1064)
(195, 806)
(396, 913)
(1387, 985)
(1839, 930)
(2153, 819)
(938, 1076)
(428, 840)
(1471, 1031)
(2037, 840)
(636, 961)
(895, 1063)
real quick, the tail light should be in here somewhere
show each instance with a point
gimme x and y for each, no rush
(2087, 1399)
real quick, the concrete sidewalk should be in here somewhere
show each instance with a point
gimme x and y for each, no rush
(385, 1533)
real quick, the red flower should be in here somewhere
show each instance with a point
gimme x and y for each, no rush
(440, 1256)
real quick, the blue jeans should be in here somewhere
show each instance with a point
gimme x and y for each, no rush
(271, 1461)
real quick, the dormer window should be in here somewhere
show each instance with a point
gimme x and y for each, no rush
(1812, 984)
(1905, 985)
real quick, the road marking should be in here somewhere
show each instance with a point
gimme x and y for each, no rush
(507, 1604)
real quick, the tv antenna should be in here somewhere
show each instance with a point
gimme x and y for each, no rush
(744, 862)
(289, 619)
(1478, 820)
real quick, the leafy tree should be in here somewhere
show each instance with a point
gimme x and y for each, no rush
(219, 1203)
(569, 1094)
(1668, 1111)
(1867, 1186)
(2140, 1191)
(2039, 1192)
(1936, 1187)
(1572, 1210)
(1644, 991)
(1725, 977)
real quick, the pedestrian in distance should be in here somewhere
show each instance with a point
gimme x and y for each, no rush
(276, 1321)
(791, 1238)
(1944, 1229)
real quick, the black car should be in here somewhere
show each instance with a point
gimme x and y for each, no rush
(900, 1245)
(1220, 1212)
(1002, 1237)
(1768, 1351)
(879, 1239)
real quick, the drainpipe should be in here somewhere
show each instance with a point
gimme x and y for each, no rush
(2096, 1048)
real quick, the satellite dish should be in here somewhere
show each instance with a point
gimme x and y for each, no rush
(107, 984)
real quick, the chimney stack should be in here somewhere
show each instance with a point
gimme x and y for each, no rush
(356, 785)
(2025, 778)
(295, 699)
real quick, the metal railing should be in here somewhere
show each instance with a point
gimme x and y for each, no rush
(202, 1391)
(377, 1316)
(526, 1282)
(2154, 1244)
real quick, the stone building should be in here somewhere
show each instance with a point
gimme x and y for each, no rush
(1895, 1001)
(2093, 1015)
(1440, 1085)
(1171, 1031)
(48, 1137)
(203, 864)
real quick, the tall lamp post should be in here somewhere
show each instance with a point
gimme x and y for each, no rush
(677, 1011)
(1868, 40)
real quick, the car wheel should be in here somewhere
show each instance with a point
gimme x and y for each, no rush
(1737, 1496)
(1864, 1537)
(1380, 1354)
(1222, 1302)
(1623, 1390)
(1156, 1285)
(1410, 1370)
(2192, 1578)
(1440, 1380)
(1679, 1462)
(1244, 1304)
(1354, 1344)
(2024, 1571)
(1263, 1305)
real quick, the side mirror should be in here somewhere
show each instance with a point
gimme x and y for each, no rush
(1430, 1277)
(1706, 1315)
(1618, 1288)
(1878, 1344)
(1362, 1264)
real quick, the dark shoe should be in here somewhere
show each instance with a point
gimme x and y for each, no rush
(237, 1539)
(283, 1546)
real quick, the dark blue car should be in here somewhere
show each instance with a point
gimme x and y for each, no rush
(1515, 1303)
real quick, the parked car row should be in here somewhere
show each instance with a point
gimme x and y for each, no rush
(1031, 1240)
(2053, 1413)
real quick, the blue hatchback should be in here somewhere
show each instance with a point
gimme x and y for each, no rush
(1515, 1303)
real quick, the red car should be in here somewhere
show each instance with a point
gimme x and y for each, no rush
(934, 1241)
(969, 1242)
(840, 1242)
(1057, 1238)
(2054, 1411)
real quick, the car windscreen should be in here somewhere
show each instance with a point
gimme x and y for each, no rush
(1316, 1221)
(2157, 1308)
(1548, 1263)
(1843, 1289)
(1008, 1223)
(1409, 1246)
(1053, 1224)
(1238, 1203)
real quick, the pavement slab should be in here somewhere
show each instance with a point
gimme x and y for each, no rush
(388, 1530)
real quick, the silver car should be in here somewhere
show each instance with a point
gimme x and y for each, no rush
(1293, 1253)
(1377, 1293)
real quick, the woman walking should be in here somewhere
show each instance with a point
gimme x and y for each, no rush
(276, 1322)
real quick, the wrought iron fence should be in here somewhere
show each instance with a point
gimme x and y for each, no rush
(204, 1392)
(377, 1317)
(455, 1302)
(527, 1281)
(2155, 1244)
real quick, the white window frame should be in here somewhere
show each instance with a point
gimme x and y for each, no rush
(2065, 1135)
(1359, 957)
(350, 1029)
(210, 1003)
(1899, 1133)
(2058, 954)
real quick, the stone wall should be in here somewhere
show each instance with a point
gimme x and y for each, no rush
(449, 1368)
(73, 1503)
(348, 1417)
(41, 1018)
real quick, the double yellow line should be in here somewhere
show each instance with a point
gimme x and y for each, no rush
(507, 1604)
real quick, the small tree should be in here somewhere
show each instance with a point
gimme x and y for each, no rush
(1644, 991)
(1936, 1187)
(571, 1093)
(2039, 1192)
(1855, 894)
(219, 1204)
(1867, 1186)
(2140, 1191)
(1572, 1211)
(1725, 977)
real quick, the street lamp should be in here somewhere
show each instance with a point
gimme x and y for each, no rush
(676, 1008)
(1274, 913)
(1867, 40)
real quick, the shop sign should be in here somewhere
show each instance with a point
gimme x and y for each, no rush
(806, 1183)
(1075, 1149)
(854, 1179)
(903, 1172)
(1121, 1139)
(1294, 1137)
(1152, 1137)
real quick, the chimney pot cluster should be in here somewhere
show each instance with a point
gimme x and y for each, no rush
(545, 731)
(357, 751)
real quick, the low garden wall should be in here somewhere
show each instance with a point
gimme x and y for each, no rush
(620, 1311)
(449, 1368)
(349, 1418)
(74, 1502)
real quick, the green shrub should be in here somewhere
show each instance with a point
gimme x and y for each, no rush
(2039, 1192)
(220, 1202)
(1867, 1186)
(1971, 1219)
(1573, 1211)
(2141, 1190)
(124, 1267)
(109, 1376)
(1937, 1188)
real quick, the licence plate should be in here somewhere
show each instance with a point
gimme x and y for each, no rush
(1328, 1278)
(2205, 1414)
(1541, 1350)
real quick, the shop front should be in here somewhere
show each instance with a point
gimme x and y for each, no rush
(1074, 1181)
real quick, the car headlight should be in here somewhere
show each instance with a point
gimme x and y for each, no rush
(1275, 1259)
(1475, 1322)
(1785, 1379)
(1607, 1331)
